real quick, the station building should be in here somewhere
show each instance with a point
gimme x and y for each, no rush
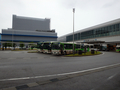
(105, 34)
(26, 29)
(0, 41)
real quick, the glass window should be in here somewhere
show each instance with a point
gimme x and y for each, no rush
(106, 29)
(75, 37)
(69, 38)
(103, 29)
(68, 46)
(109, 28)
(78, 36)
(99, 32)
(117, 26)
(113, 27)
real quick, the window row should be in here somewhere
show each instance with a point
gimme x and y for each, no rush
(99, 32)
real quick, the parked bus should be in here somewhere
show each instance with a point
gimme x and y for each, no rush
(118, 48)
(77, 48)
(39, 46)
(104, 47)
(85, 47)
(46, 47)
(59, 48)
(88, 47)
(91, 47)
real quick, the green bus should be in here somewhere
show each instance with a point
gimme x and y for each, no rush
(60, 48)
(79, 47)
(46, 47)
(39, 46)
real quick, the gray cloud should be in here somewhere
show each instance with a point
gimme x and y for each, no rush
(89, 4)
(82, 4)
(111, 3)
(88, 12)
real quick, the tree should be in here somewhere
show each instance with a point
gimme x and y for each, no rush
(14, 45)
(5, 45)
(31, 44)
(9, 44)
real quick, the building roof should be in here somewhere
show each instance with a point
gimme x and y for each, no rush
(96, 26)
(92, 42)
(31, 18)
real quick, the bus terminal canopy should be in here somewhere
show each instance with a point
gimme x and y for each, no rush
(92, 42)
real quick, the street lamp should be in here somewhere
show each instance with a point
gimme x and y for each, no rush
(73, 29)
(12, 40)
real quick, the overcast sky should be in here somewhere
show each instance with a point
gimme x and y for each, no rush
(87, 12)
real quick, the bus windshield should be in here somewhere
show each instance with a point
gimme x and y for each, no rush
(117, 47)
(39, 45)
(55, 46)
(46, 45)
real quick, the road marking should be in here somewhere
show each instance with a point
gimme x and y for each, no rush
(104, 81)
(111, 76)
(32, 84)
(101, 54)
(70, 73)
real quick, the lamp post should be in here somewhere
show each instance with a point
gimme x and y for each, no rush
(73, 29)
(12, 40)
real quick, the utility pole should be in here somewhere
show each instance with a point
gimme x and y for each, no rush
(73, 29)
(12, 40)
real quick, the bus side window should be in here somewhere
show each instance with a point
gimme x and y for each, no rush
(61, 46)
(64, 46)
(82, 46)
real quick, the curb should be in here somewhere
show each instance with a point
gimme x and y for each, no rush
(85, 55)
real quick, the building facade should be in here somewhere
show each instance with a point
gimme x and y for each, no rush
(108, 32)
(30, 24)
(25, 29)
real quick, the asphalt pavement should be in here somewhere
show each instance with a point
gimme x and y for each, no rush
(20, 68)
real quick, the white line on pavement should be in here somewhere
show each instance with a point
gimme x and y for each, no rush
(111, 76)
(62, 74)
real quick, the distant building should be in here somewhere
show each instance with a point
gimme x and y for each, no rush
(30, 24)
(26, 29)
